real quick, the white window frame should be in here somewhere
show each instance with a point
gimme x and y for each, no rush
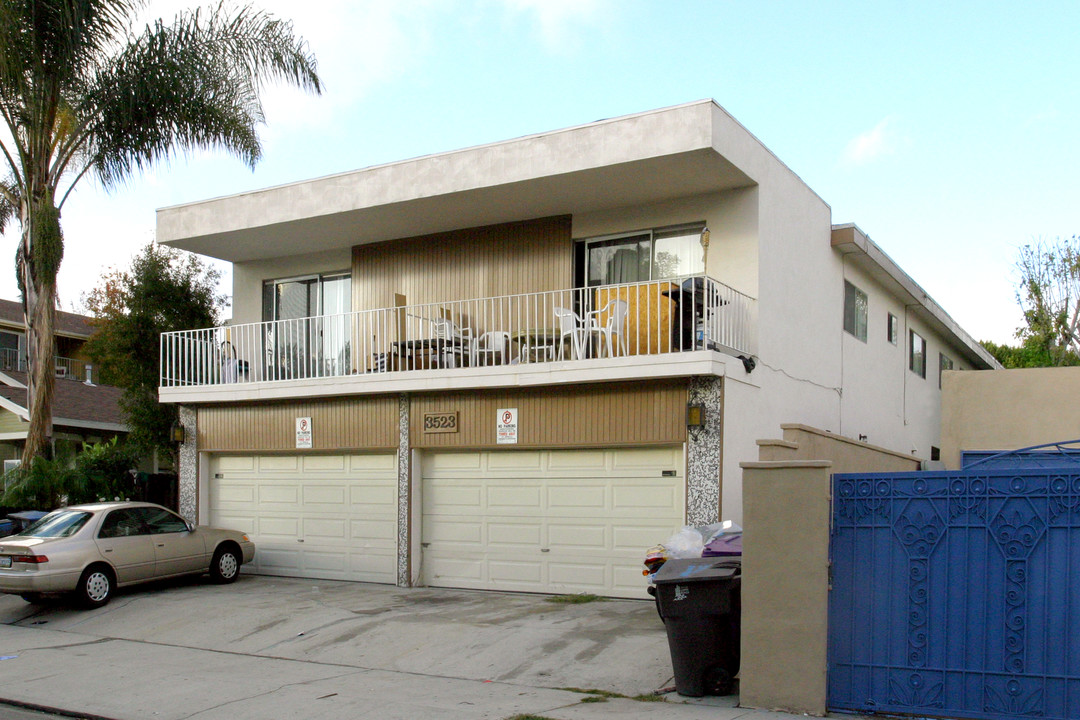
(859, 314)
(651, 233)
(912, 354)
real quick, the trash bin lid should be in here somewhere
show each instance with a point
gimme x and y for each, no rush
(28, 515)
(683, 570)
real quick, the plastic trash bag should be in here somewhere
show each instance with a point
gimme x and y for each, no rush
(686, 543)
(690, 542)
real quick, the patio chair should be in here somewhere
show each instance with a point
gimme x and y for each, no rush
(615, 324)
(451, 343)
(491, 348)
(570, 326)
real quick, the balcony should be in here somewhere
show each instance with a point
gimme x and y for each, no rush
(66, 368)
(607, 332)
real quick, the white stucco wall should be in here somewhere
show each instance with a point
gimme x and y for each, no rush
(883, 399)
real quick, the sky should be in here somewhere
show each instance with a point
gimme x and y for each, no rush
(948, 132)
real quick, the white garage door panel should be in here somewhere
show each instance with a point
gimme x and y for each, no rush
(324, 497)
(285, 495)
(548, 521)
(278, 463)
(508, 534)
(319, 516)
(516, 572)
(317, 463)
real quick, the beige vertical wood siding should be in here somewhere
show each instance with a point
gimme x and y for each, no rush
(574, 416)
(520, 257)
(369, 423)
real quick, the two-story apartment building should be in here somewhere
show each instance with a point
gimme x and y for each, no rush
(517, 366)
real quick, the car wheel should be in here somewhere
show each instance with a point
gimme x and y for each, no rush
(225, 566)
(95, 586)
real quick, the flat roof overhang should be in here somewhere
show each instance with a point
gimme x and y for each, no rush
(849, 240)
(634, 160)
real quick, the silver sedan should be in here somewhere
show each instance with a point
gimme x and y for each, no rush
(90, 550)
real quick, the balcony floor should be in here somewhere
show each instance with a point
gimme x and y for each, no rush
(624, 369)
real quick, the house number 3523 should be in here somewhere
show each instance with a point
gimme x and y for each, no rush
(441, 422)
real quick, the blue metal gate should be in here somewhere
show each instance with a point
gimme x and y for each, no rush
(957, 593)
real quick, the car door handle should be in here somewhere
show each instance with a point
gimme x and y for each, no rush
(161, 544)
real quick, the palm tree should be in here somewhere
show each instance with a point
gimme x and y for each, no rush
(84, 93)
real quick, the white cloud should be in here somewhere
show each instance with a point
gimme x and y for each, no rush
(559, 20)
(358, 45)
(870, 145)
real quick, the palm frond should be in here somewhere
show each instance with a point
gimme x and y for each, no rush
(192, 84)
(9, 202)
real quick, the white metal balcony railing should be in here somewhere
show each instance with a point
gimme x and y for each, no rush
(647, 318)
(64, 367)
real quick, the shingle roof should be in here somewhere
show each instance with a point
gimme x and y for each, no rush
(74, 401)
(11, 313)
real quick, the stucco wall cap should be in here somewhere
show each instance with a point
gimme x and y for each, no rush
(782, 464)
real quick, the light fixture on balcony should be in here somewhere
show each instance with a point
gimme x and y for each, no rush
(176, 433)
(695, 415)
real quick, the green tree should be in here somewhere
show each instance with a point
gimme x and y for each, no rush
(164, 290)
(82, 92)
(1029, 354)
(1049, 295)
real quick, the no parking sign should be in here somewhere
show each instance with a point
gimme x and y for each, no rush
(506, 427)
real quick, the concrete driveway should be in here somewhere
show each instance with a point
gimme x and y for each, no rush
(614, 645)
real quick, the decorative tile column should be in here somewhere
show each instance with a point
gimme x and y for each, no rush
(704, 452)
(404, 492)
(189, 465)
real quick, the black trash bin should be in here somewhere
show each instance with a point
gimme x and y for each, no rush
(699, 602)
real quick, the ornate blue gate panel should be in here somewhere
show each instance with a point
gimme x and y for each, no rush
(957, 594)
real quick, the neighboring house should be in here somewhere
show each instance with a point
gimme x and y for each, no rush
(72, 332)
(83, 412)
(417, 385)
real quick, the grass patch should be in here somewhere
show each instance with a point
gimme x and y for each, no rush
(604, 695)
(650, 697)
(574, 599)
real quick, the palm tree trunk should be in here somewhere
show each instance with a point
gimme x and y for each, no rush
(40, 316)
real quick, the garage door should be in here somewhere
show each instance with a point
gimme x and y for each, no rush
(565, 521)
(316, 516)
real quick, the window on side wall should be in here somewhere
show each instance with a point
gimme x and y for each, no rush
(916, 353)
(855, 311)
(894, 329)
(944, 363)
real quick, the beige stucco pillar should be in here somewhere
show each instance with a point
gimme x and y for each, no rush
(785, 586)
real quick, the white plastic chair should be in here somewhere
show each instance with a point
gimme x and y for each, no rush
(492, 348)
(615, 325)
(451, 341)
(570, 327)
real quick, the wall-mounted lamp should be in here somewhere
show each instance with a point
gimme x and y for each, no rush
(176, 433)
(695, 415)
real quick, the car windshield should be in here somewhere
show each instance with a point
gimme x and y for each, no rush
(62, 523)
